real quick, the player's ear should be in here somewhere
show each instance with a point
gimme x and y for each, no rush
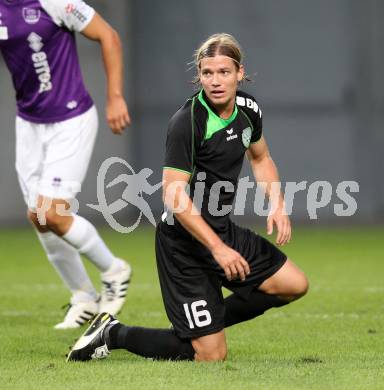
(240, 73)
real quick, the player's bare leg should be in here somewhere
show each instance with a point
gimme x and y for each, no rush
(53, 215)
(289, 283)
(286, 285)
(211, 348)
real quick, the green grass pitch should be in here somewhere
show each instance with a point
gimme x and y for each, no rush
(331, 339)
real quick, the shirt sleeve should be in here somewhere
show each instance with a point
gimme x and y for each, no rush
(180, 143)
(72, 14)
(250, 107)
(257, 127)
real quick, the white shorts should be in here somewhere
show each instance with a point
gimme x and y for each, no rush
(52, 159)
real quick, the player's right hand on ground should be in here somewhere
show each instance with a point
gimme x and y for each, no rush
(233, 264)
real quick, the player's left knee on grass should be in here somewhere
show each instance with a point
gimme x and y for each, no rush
(211, 355)
(211, 348)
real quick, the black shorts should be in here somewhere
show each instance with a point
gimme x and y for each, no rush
(191, 280)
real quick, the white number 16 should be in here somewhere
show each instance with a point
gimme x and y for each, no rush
(200, 317)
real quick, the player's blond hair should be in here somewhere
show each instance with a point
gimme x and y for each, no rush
(218, 44)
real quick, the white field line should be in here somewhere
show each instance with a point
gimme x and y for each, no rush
(326, 316)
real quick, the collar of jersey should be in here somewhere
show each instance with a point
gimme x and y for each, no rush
(214, 122)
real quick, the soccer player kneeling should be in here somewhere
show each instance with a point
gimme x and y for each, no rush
(199, 249)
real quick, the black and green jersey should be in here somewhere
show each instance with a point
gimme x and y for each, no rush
(212, 150)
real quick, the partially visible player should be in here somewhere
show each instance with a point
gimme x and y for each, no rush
(56, 128)
(204, 250)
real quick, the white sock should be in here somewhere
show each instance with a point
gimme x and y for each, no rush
(84, 237)
(67, 262)
(116, 266)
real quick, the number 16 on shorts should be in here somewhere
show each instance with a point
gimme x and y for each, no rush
(200, 317)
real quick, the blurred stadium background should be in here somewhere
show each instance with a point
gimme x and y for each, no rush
(318, 79)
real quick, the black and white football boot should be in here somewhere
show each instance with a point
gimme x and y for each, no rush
(93, 343)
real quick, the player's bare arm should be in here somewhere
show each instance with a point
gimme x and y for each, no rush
(116, 110)
(265, 172)
(233, 264)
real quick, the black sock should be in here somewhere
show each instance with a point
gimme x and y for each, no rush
(238, 309)
(159, 344)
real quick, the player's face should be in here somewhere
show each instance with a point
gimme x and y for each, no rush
(219, 77)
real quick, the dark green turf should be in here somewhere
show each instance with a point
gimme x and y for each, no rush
(331, 339)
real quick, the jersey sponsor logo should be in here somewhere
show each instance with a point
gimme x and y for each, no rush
(71, 9)
(231, 135)
(35, 42)
(31, 15)
(246, 137)
(247, 102)
(40, 62)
